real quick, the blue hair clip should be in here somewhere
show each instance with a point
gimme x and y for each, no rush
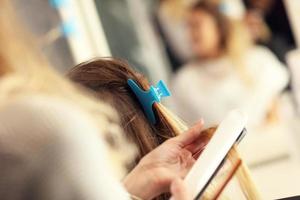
(148, 98)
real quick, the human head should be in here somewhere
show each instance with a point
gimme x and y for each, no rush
(208, 29)
(108, 79)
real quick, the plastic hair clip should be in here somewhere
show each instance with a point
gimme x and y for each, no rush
(148, 98)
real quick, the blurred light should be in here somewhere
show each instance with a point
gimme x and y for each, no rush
(68, 28)
(232, 8)
(58, 3)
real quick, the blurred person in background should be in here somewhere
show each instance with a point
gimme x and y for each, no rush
(228, 72)
(269, 25)
(170, 22)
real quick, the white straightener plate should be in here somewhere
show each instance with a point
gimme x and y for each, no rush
(227, 134)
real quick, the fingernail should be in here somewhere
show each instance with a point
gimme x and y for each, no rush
(201, 121)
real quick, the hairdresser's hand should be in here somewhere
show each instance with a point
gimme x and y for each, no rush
(179, 191)
(171, 160)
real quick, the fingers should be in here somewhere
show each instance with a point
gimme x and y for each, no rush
(179, 191)
(190, 135)
(199, 144)
(186, 161)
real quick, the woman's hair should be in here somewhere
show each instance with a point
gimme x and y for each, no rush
(107, 78)
(24, 71)
(235, 39)
(222, 22)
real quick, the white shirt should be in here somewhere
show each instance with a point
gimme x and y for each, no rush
(209, 90)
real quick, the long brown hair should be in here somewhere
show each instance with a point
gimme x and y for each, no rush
(107, 78)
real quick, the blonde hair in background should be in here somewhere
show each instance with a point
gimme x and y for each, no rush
(177, 9)
(24, 72)
(239, 41)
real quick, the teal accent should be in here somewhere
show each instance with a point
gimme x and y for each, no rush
(148, 98)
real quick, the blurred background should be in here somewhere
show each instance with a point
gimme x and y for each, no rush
(216, 55)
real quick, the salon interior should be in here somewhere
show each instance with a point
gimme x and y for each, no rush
(238, 54)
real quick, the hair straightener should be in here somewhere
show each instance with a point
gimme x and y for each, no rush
(230, 131)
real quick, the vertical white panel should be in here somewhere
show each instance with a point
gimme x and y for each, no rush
(94, 27)
(89, 40)
(293, 10)
(152, 52)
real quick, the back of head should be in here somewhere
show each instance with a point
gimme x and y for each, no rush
(108, 80)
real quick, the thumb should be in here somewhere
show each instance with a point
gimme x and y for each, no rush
(179, 191)
(190, 135)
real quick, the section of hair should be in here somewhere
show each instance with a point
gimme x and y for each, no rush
(107, 78)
